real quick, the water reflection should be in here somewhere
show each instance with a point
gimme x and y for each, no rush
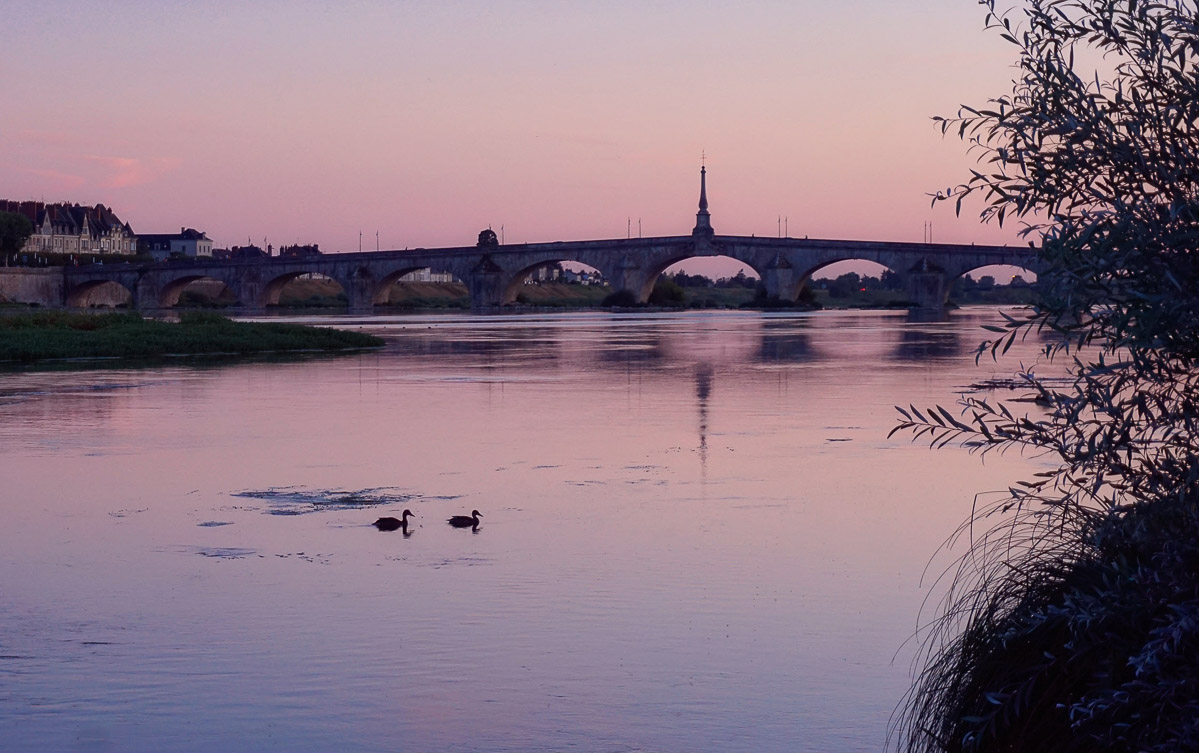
(703, 391)
(921, 344)
(786, 343)
(929, 316)
(626, 352)
(735, 341)
(193, 548)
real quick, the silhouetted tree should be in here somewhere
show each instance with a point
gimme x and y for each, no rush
(488, 239)
(1073, 624)
(667, 293)
(15, 230)
(684, 280)
(620, 299)
(739, 280)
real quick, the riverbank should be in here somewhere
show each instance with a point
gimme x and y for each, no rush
(47, 335)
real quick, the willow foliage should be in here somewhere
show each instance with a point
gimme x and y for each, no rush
(1073, 624)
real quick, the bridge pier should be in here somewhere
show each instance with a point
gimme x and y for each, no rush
(249, 293)
(927, 289)
(487, 284)
(779, 279)
(628, 275)
(360, 292)
(147, 297)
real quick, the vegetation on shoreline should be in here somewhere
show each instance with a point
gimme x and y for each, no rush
(1072, 620)
(44, 335)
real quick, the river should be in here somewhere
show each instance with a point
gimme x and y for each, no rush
(695, 536)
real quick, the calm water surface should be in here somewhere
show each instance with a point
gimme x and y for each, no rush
(696, 537)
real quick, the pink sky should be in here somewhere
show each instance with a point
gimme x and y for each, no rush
(428, 121)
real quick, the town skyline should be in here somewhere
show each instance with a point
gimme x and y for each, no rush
(425, 124)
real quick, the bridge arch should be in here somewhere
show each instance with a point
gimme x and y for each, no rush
(273, 290)
(87, 294)
(171, 292)
(655, 271)
(1002, 278)
(999, 271)
(858, 281)
(812, 269)
(516, 283)
(381, 295)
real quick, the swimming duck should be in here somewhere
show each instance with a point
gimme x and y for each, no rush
(393, 524)
(464, 521)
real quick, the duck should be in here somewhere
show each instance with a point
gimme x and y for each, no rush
(394, 524)
(466, 521)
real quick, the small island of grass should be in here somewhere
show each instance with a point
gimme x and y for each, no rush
(46, 335)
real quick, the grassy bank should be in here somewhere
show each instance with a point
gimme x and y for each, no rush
(429, 295)
(863, 299)
(562, 295)
(57, 334)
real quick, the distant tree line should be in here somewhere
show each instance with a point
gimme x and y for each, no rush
(846, 285)
(739, 280)
(842, 286)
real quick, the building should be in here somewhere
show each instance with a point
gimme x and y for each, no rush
(557, 272)
(545, 273)
(297, 251)
(427, 275)
(582, 277)
(73, 229)
(187, 242)
(242, 252)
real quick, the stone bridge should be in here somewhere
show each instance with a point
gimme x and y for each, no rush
(495, 274)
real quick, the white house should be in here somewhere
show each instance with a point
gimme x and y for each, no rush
(187, 242)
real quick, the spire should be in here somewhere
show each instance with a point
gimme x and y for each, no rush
(703, 220)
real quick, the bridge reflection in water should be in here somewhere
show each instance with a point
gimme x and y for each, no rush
(494, 274)
(713, 351)
(644, 345)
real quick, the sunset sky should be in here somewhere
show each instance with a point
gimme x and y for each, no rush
(428, 121)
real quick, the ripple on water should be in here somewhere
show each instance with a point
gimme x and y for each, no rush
(458, 562)
(126, 513)
(222, 552)
(296, 500)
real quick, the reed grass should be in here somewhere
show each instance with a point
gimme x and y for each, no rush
(1081, 639)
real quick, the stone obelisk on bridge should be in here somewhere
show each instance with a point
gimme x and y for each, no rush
(703, 219)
